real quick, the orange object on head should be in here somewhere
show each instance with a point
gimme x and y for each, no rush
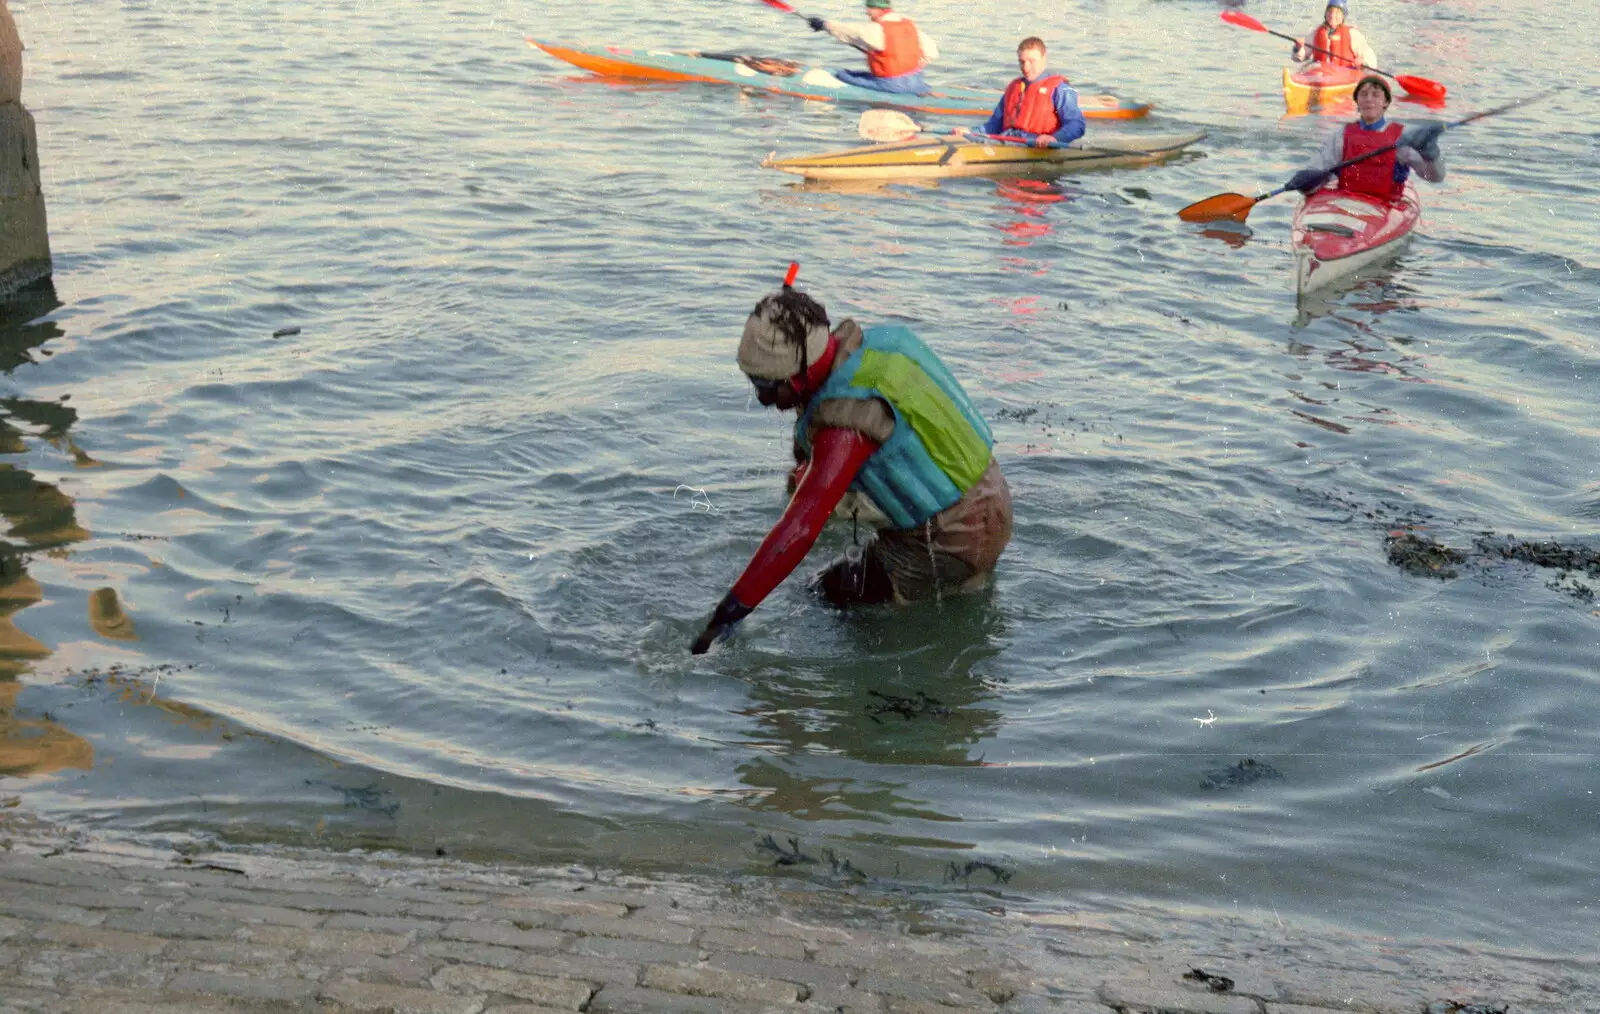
(789, 276)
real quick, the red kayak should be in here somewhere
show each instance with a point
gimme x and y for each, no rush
(1337, 233)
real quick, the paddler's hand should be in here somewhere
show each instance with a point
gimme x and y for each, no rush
(817, 24)
(1300, 54)
(1423, 138)
(1045, 141)
(959, 131)
(1306, 180)
(727, 615)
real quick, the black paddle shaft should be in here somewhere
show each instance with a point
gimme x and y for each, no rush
(1391, 147)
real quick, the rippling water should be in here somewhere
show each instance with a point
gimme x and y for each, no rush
(421, 573)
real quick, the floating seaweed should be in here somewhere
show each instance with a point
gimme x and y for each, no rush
(906, 707)
(1237, 776)
(1423, 557)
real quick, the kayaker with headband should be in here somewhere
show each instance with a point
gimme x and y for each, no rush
(1038, 107)
(878, 412)
(896, 50)
(1383, 176)
(1336, 42)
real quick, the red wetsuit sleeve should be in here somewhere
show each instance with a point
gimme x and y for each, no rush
(836, 456)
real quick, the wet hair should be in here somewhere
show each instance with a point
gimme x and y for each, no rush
(1031, 42)
(793, 314)
(1377, 82)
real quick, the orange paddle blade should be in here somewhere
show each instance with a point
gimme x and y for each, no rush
(1219, 207)
(1423, 88)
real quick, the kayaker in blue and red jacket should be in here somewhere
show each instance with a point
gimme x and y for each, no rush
(1340, 44)
(896, 50)
(1037, 107)
(1383, 176)
(879, 414)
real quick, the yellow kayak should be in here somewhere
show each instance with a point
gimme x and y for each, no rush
(936, 158)
(1305, 90)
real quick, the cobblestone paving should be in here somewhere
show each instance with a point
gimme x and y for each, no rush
(133, 930)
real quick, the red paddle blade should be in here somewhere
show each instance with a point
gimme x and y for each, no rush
(1218, 208)
(1243, 20)
(780, 5)
(1422, 88)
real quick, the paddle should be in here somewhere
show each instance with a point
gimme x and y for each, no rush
(785, 8)
(1237, 206)
(1423, 88)
(893, 125)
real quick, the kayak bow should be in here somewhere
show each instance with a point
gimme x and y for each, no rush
(1338, 233)
(1305, 90)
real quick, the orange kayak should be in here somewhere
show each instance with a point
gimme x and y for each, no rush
(787, 77)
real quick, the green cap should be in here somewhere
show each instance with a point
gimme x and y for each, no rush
(881, 5)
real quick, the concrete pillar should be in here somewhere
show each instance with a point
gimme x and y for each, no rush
(24, 239)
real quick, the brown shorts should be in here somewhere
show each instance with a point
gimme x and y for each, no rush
(952, 553)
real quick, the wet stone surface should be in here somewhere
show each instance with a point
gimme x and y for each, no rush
(296, 934)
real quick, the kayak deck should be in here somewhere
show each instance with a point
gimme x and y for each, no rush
(1338, 233)
(785, 77)
(1304, 90)
(936, 158)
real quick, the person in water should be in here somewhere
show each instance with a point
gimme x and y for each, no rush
(1383, 176)
(1337, 44)
(1037, 106)
(878, 413)
(896, 49)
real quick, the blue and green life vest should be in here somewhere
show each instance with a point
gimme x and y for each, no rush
(940, 446)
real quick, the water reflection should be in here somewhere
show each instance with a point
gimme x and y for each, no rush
(905, 697)
(1376, 292)
(1235, 235)
(1029, 201)
(36, 746)
(41, 519)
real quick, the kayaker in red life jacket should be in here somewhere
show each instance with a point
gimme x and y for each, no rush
(1040, 106)
(1383, 176)
(879, 413)
(896, 49)
(1347, 46)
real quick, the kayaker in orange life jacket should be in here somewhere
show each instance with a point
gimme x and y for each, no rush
(1383, 176)
(896, 50)
(878, 413)
(1344, 44)
(1037, 106)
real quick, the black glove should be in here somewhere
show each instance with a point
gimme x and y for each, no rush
(1306, 180)
(1423, 138)
(729, 612)
(817, 24)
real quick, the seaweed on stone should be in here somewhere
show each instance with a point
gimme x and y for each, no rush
(964, 871)
(792, 857)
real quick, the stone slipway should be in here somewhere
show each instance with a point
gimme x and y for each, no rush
(99, 926)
